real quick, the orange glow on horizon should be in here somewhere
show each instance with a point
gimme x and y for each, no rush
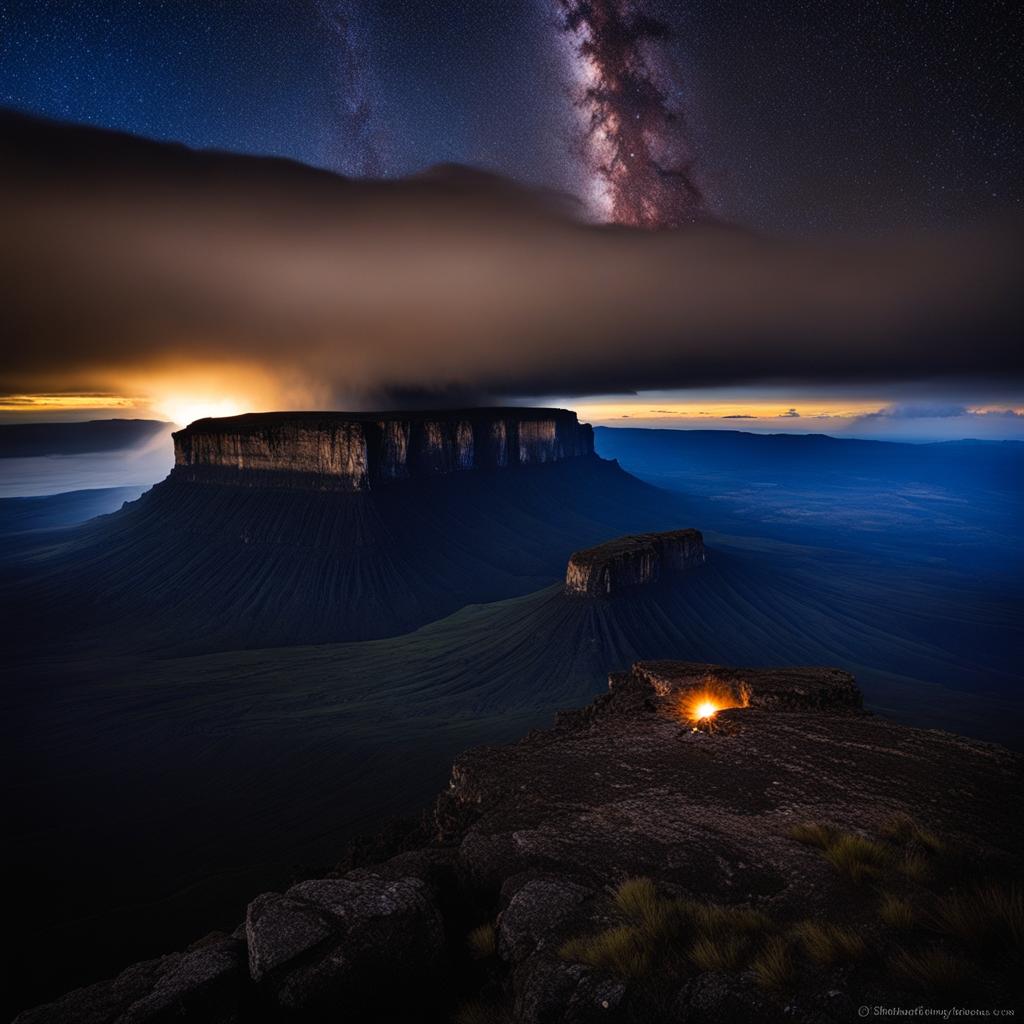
(812, 414)
(741, 410)
(178, 394)
(66, 402)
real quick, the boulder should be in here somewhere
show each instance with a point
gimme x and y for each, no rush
(204, 984)
(548, 990)
(332, 942)
(534, 913)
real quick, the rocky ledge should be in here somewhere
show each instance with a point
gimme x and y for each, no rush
(355, 451)
(632, 561)
(787, 857)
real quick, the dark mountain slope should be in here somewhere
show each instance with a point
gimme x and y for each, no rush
(551, 648)
(21, 516)
(194, 566)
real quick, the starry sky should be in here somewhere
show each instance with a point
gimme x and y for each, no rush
(796, 117)
(848, 120)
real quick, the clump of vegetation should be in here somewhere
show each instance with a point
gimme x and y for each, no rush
(828, 944)
(623, 950)
(857, 857)
(813, 833)
(717, 953)
(773, 966)
(654, 931)
(712, 920)
(902, 828)
(637, 900)
(630, 949)
(897, 912)
(983, 918)
(916, 867)
(933, 970)
(483, 941)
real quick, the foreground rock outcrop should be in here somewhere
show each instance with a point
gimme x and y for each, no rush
(788, 856)
(356, 451)
(633, 561)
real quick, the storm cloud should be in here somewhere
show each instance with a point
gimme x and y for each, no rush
(121, 258)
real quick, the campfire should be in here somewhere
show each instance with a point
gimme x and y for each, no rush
(700, 704)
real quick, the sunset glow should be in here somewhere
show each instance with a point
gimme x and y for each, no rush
(62, 403)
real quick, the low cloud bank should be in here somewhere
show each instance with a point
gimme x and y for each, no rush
(123, 262)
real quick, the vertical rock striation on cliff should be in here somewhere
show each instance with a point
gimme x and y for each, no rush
(356, 451)
(633, 561)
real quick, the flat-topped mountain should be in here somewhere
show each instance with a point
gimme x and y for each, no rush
(633, 561)
(286, 528)
(355, 451)
(784, 854)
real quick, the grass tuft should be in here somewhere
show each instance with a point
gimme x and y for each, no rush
(828, 944)
(713, 921)
(718, 953)
(773, 966)
(813, 833)
(622, 950)
(856, 857)
(933, 970)
(658, 919)
(984, 918)
(902, 828)
(637, 899)
(916, 867)
(483, 941)
(897, 912)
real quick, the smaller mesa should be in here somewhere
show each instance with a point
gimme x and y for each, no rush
(633, 561)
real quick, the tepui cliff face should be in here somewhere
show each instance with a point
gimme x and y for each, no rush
(357, 451)
(633, 561)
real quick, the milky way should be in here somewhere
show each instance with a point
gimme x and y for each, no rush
(359, 147)
(635, 146)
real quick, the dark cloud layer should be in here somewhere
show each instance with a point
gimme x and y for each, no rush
(120, 258)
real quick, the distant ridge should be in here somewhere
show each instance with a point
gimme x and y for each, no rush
(27, 440)
(649, 452)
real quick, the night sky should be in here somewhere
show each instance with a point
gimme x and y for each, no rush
(794, 118)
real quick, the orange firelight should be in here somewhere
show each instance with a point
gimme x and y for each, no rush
(701, 705)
